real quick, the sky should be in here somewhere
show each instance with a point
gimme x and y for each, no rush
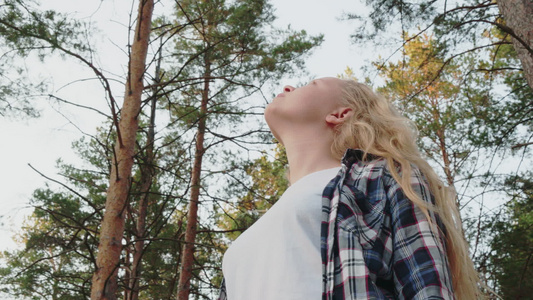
(42, 141)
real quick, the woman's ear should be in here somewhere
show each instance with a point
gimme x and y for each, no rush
(339, 116)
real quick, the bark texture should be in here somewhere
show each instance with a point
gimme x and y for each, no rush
(187, 262)
(147, 175)
(518, 16)
(104, 281)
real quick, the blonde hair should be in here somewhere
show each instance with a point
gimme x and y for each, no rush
(378, 129)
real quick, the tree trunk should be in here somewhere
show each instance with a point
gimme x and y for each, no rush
(518, 16)
(104, 281)
(146, 183)
(187, 262)
(147, 175)
(127, 264)
(178, 250)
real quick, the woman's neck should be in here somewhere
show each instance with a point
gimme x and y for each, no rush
(309, 154)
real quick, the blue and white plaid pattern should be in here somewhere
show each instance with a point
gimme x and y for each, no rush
(375, 243)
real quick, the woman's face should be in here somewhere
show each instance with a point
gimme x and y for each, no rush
(304, 106)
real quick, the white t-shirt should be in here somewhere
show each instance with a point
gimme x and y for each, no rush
(278, 257)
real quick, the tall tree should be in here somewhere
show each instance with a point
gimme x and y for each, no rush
(147, 171)
(104, 283)
(228, 53)
(60, 239)
(442, 100)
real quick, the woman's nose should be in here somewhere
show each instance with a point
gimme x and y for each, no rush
(288, 88)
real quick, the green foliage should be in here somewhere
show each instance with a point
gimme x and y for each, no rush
(233, 46)
(268, 182)
(469, 34)
(61, 236)
(25, 29)
(16, 95)
(385, 12)
(511, 260)
(442, 99)
(60, 240)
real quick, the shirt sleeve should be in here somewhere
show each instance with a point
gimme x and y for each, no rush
(420, 266)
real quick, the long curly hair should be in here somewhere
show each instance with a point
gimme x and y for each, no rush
(377, 128)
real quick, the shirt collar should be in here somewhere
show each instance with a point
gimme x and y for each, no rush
(352, 156)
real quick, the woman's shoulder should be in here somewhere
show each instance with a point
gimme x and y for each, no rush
(368, 172)
(365, 174)
(361, 166)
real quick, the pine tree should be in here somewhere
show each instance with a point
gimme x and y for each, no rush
(227, 54)
(104, 283)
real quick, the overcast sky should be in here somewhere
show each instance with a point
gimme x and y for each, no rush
(40, 142)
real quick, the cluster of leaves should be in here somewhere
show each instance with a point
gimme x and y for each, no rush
(23, 27)
(267, 182)
(25, 30)
(509, 263)
(60, 237)
(430, 92)
(471, 34)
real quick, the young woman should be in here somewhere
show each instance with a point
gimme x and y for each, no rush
(365, 216)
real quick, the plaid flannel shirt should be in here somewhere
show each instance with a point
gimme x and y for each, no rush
(375, 243)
